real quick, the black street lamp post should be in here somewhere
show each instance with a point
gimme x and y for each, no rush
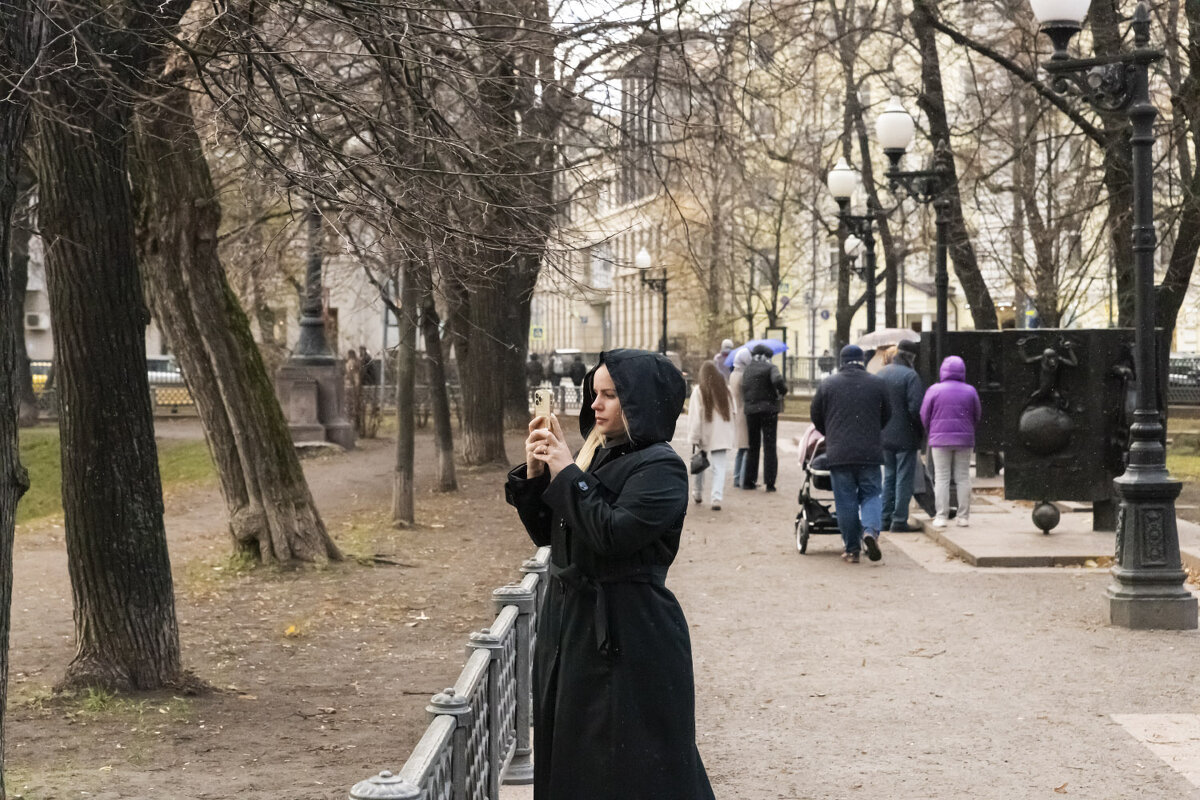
(894, 130)
(1147, 589)
(642, 262)
(312, 346)
(843, 180)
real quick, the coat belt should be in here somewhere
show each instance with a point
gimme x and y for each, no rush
(574, 579)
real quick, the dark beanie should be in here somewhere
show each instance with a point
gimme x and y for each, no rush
(909, 347)
(851, 354)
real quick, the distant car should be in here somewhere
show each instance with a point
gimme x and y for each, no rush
(163, 370)
(39, 373)
(166, 382)
(1183, 374)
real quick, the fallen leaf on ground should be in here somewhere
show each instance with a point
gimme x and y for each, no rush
(1061, 789)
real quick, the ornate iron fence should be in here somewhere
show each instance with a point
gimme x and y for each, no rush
(478, 735)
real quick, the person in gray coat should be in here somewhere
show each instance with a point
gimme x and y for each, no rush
(901, 436)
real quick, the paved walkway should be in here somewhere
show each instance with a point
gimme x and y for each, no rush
(921, 676)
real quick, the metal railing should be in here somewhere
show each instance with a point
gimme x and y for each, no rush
(479, 732)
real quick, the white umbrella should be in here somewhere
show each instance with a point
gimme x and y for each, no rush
(887, 336)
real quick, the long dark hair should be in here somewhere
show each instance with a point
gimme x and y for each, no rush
(714, 392)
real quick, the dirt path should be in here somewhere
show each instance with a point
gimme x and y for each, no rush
(323, 674)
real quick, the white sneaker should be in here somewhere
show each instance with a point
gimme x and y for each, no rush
(962, 522)
(939, 522)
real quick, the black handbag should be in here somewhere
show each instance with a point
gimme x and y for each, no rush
(699, 462)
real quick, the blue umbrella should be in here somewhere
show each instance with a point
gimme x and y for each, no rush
(776, 346)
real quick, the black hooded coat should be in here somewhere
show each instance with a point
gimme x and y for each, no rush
(614, 700)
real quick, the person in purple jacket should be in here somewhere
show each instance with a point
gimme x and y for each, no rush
(950, 412)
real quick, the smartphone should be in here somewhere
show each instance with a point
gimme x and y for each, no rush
(543, 405)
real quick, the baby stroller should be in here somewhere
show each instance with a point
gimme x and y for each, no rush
(814, 516)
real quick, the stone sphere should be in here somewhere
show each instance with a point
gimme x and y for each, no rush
(1045, 430)
(1046, 516)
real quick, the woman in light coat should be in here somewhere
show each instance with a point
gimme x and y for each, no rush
(711, 428)
(740, 361)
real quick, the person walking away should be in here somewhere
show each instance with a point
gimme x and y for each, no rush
(534, 373)
(577, 371)
(711, 428)
(614, 697)
(902, 435)
(825, 363)
(739, 415)
(851, 408)
(763, 389)
(950, 413)
(557, 369)
(722, 356)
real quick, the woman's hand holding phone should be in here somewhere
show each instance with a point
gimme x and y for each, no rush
(546, 447)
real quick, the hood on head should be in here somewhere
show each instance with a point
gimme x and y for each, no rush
(742, 358)
(953, 369)
(650, 388)
(727, 345)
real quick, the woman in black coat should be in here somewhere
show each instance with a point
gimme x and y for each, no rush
(614, 702)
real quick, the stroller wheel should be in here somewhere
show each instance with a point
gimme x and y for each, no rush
(802, 533)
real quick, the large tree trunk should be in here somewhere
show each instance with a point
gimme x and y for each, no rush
(21, 233)
(125, 625)
(933, 101)
(480, 354)
(518, 285)
(19, 42)
(403, 505)
(443, 436)
(272, 516)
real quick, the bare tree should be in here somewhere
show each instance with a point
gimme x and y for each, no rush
(272, 517)
(125, 625)
(20, 37)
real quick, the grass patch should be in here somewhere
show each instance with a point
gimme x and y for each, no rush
(1184, 466)
(180, 462)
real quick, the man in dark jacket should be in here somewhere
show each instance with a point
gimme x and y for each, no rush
(850, 408)
(762, 389)
(901, 435)
(578, 370)
(534, 374)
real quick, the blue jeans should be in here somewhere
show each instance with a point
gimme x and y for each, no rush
(739, 465)
(857, 491)
(899, 467)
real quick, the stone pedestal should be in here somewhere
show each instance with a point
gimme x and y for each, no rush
(1147, 592)
(312, 394)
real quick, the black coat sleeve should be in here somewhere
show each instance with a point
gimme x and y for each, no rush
(778, 382)
(817, 411)
(651, 502)
(525, 495)
(913, 396)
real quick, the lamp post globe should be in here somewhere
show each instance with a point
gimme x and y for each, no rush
(853, 246)
(1060, 20)
(642, 259)
(842, 181)
(1060, 10)
(894, 130)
